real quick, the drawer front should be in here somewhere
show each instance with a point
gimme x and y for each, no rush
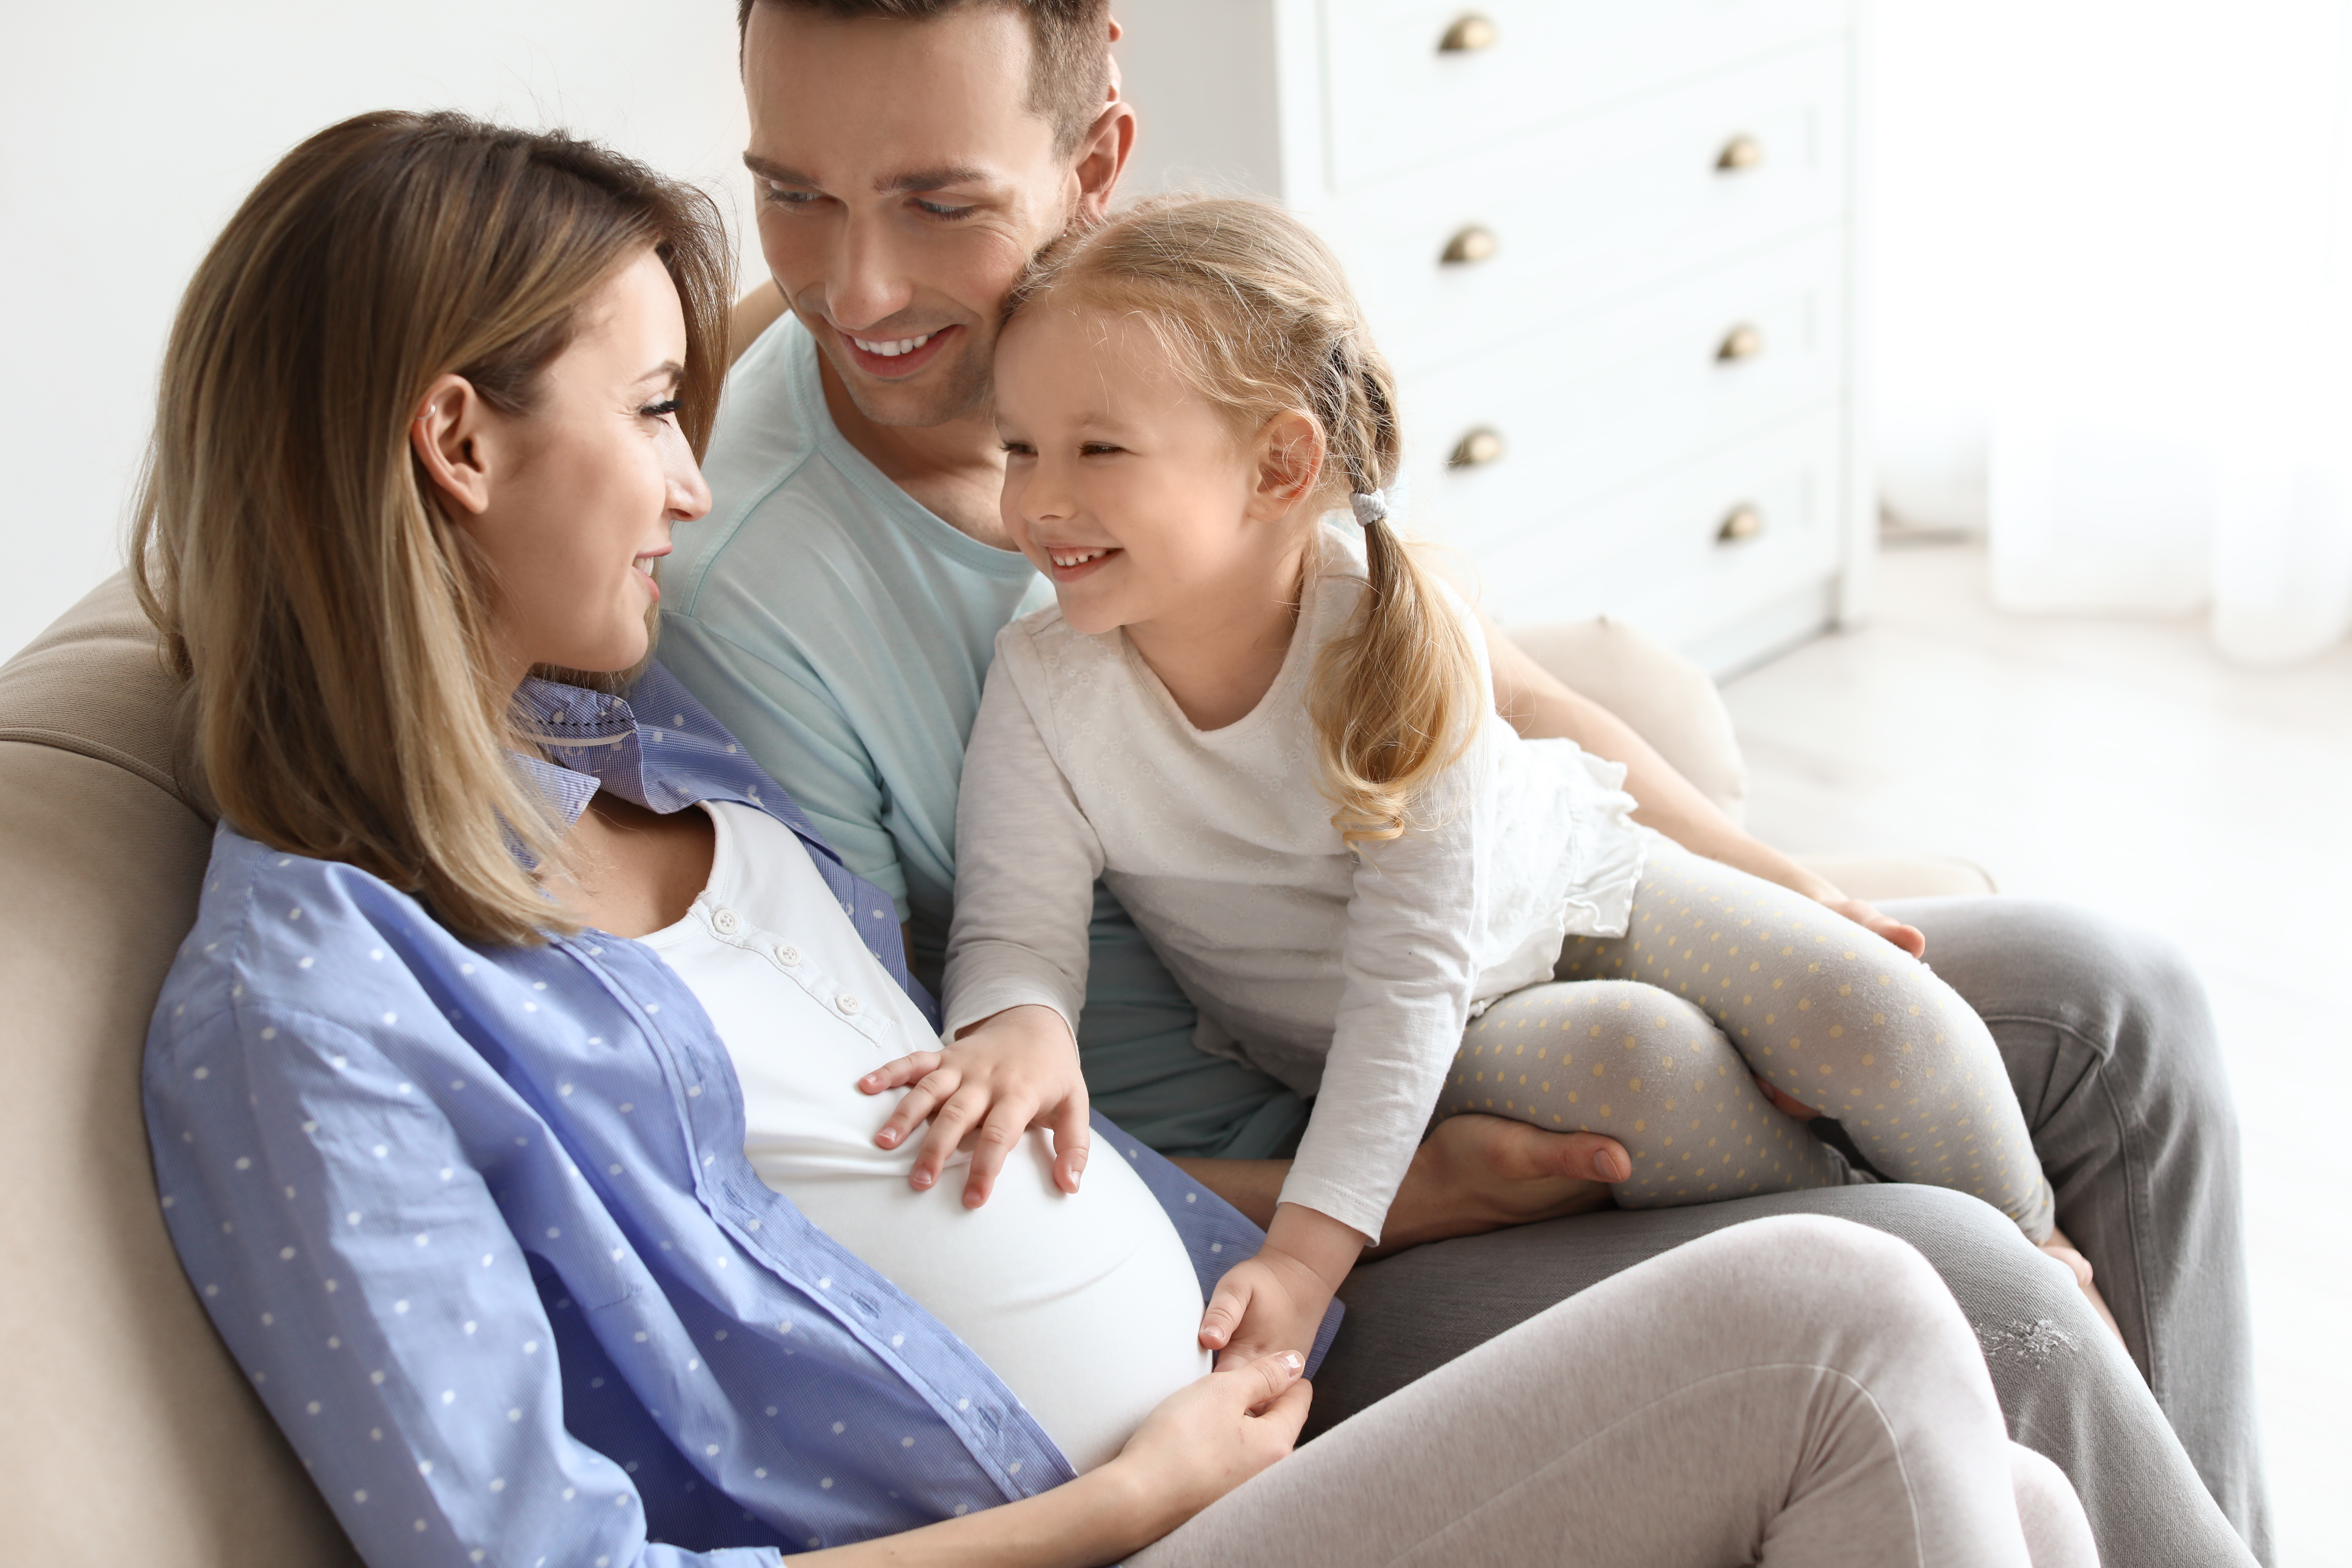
(1654, 553)
(1606, 207)
(1616, 396)
(1397, 101)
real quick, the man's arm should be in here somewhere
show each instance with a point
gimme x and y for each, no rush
(1540, 707)
(754, 314)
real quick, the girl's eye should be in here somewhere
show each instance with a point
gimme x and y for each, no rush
(1017, 448)
(1099, 450)
(662, 410)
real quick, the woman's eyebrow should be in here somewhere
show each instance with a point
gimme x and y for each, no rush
(669, 369)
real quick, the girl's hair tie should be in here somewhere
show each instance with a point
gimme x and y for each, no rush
(1370, 506)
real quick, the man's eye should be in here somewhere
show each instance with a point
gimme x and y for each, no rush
(944, 210)
(791, 195)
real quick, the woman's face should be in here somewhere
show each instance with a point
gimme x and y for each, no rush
(571, 503)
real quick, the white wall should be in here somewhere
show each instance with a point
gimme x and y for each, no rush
(130, 130)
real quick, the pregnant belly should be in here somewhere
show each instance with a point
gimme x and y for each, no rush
(1084, 1304)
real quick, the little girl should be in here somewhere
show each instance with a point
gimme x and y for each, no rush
(1257, 719)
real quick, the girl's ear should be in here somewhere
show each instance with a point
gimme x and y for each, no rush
(1289, 460)
(445, 434)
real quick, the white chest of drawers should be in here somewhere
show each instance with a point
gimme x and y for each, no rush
(1610, 246)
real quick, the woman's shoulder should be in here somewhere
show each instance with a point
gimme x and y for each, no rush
(279, 934)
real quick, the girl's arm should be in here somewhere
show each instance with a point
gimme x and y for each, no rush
(1202, 1442)
(1540, 707)
(1027, 860)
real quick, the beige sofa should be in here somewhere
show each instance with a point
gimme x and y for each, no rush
(127, 1435)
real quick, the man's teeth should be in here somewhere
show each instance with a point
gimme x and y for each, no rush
(891, 348)
(1074, 557)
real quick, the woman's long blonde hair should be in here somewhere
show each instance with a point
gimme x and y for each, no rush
(1254, 311)
(332, 624)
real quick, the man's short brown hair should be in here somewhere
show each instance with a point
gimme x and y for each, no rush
(1069, 49)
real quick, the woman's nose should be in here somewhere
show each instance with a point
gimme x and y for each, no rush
(689, 493)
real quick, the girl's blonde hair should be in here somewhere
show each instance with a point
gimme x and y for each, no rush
(1254, 311)
(332, 624)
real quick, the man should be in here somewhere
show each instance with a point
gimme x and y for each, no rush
(837, 608)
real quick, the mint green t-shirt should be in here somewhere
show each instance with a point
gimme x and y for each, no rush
(842, 631)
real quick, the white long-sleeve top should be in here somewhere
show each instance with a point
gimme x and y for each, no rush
(1347, 973)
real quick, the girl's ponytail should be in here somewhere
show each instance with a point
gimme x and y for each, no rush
(1255, 311)
(1396, 699)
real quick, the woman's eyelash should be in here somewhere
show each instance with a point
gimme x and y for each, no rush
(666, 406)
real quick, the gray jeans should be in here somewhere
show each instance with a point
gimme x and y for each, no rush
(2111, 1048)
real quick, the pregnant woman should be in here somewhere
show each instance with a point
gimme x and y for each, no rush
(504, 1097)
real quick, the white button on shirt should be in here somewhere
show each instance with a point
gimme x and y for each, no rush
(1085, 1305)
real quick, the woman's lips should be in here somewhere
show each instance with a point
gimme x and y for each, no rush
(914, 352)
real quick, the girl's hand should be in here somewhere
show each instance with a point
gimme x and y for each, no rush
(1003, 1076)
(1275, 1301)
(1866, 915)
(1211, 1435)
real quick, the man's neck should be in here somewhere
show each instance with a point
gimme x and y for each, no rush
(955, 470)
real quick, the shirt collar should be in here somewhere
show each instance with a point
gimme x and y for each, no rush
(591, 740)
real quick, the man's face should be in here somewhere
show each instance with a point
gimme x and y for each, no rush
(902, 187)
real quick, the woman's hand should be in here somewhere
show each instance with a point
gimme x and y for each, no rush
(1003, 1076)
(1211, 1435)
(1275, 1300)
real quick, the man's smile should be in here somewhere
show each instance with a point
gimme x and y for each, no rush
(895, 359)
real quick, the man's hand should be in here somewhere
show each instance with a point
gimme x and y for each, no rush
(1003, 1076)
(1475, 1173)
(1275, 1301)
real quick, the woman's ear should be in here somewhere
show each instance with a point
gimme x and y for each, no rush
(1290, 461)
(445, 434)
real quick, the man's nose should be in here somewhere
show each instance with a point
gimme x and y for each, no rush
(868, 282)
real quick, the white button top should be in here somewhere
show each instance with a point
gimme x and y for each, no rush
(848, 1004)
(788, 955)
(725, 921)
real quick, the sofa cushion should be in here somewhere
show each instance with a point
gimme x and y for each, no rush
(127, 1435)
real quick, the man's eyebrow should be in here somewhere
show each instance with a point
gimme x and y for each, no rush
(932, 179)
(937, 179)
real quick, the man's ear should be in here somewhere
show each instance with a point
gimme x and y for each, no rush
(1289, 454)
(445, 434)
(1102, 158)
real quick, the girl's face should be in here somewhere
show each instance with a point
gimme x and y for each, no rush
(1128, 488)
(571, 503)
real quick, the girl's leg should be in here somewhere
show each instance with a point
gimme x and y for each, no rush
(1649, 1070)
(1839, 1018)
(1793, 1390)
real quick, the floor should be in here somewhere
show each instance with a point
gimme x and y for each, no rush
(2124, 764)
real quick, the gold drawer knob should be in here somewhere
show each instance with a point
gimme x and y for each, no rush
(1469, 33)
(1742, 152)
(1475, 450)
(1472, 244)
(1740, 522)
(1743, 342)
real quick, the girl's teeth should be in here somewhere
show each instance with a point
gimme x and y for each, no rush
(1074, 557)
(891, 348)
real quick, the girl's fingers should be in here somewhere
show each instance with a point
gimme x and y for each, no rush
(1073, 1139)
(929, 1093)
(963, 1107)
(1008, 1122)
(1224, 1315)
(905, 1069)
